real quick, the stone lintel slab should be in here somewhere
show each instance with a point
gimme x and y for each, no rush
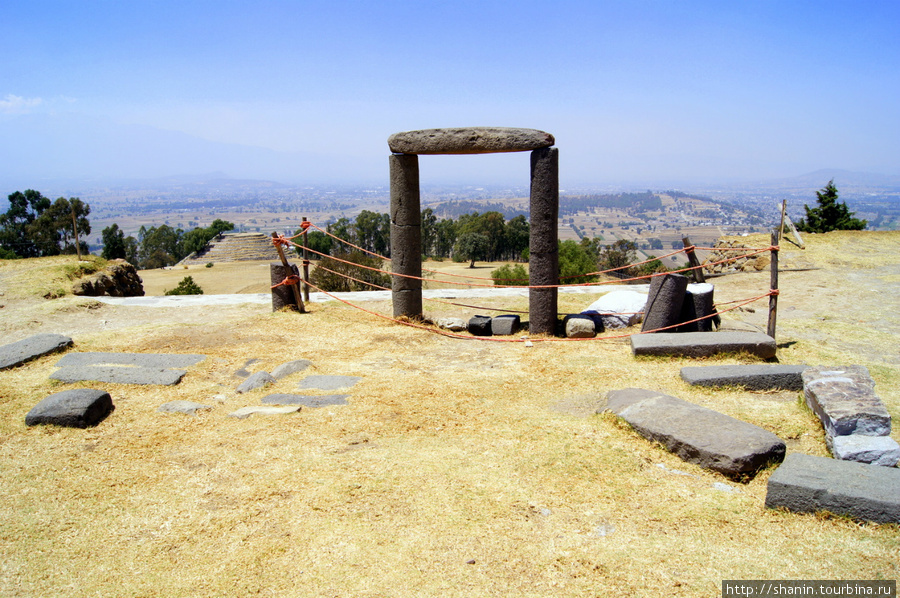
(696, 434)
(807, 484)
(75, 408)
(703, 344)
(25, 350)
(756, 376)
(469, 140)
(147, 360)
(844, 399)
(118, 375)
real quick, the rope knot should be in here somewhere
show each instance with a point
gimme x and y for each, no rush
(289, 281)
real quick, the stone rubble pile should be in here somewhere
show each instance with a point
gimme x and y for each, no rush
(736, 263)
(118, 279)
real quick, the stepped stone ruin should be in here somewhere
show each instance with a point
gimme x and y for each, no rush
(234, 247)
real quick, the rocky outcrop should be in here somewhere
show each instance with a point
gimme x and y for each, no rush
(118, 279)
(734, 258)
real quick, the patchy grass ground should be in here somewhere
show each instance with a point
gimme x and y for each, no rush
(459, 468)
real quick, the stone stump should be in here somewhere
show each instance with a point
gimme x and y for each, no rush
(282, 296)
(698, 303)
(664, 302)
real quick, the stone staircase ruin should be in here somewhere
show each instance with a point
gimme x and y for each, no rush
(234, 247)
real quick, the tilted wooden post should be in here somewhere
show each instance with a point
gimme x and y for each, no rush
(773, 285)
(305, 266)
(287, 268)
(75, 229)
(692, 258)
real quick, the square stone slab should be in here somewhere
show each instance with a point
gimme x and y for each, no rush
(30, 348)
(75, 408)
(696, 434)
(125, 368)
(311, 401)
(807, 484)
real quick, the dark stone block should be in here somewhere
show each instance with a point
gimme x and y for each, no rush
(696, 434)
(703, 344)
(758, 376)
(76, 408)
(505, 325)
(698, 303)
(808, 484)
(30, 348)
(664, 302)
(480, 326)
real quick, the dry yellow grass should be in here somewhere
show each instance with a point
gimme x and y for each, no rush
(459, 468)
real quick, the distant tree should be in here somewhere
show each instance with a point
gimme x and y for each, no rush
(445, 237)
(113, 243)
(575, 260)
(470, 247)
(24, 209)
(516, 237)
(429, 231)
(159, 246)
(618, 256)
(187, 286)
(332, 275)
(318, 242)
(830, 215)
(196, 239)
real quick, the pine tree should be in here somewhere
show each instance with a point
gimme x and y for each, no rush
(830, 215)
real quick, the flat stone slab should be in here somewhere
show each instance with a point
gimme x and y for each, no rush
(877, 450)
(124, 368)
(75, 408)
(255, 381)
(147, 360)
(469, 140)
(757, 376)
(328, 382)
(186, 407)
(245, 412)
(844, 399)
(30, 348)
(703, 344)
(807, 484)
(696, 434)
(311, 401)
(292, 367)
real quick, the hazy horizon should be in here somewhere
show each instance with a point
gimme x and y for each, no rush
(296, 92)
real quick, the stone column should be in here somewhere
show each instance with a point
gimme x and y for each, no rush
(406, 235)
(664, 302)
(282, 296)
(543, 265)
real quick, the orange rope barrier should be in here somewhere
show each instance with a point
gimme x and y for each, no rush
(290, 280)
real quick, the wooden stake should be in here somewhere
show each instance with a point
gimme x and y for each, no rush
(75, 229)
(288, 268)
(781, 226)
(305, 266)
(692, 259)
(773, 285)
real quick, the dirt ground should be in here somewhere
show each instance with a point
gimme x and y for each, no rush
(458, 468)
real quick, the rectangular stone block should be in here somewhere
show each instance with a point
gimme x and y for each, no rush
(118, 375)
(756, 376)
(844, 399)
(703, 344)
(505, 325)
(75, 408)
(808, 484)
(696, 434)
(25, 350)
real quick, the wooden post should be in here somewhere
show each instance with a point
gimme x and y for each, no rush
(305, 266)
(773, 285)
(287, 268)
(692, 258)
(781, 226)
(75, 229)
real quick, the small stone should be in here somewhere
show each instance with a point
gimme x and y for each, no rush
(505, 325)
(452, 324)
(291, 367)
(245, 412)
(579, 326)
(255, 381)
(186, 407)
(76, 408)
(328, 382)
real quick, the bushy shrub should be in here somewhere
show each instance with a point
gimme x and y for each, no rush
(510, 275)
(187, 286)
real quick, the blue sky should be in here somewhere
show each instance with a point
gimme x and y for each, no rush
(635, 91)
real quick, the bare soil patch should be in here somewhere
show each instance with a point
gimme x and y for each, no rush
(458, 468)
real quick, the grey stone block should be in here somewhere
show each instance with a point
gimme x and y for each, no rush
(807, 484)
(843, 397)
(580, 326)
(696, 434)
(664, 302)
(311, 401)
(505, 325)
(328, 382)
(25, 350)
(703, 344)
(292, 367)
(119, 375)
(76, 408)
(757, 376)
(480, 326)
(469, 140)
(255, 381)
(877, 450)
(147, 360)
(185, 407)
